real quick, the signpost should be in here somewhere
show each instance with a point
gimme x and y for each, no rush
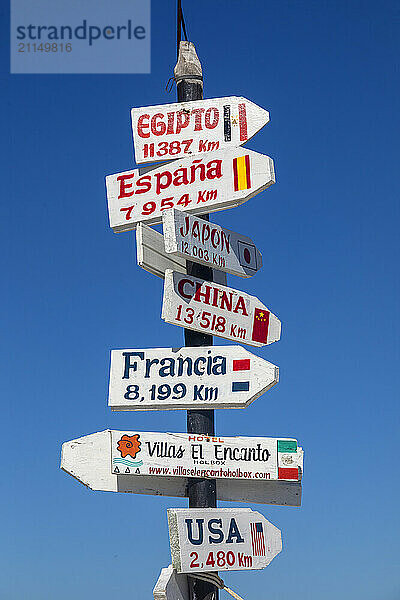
(206, 539)
(170, 131)
(218, 310)
(200, 184)
(186, 378)
(187, 236)
(152, 257)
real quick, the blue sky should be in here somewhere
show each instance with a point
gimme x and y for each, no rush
(328, 231)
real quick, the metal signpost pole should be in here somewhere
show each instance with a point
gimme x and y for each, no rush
(202, 493)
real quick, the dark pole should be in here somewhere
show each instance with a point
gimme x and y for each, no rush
(202, 493)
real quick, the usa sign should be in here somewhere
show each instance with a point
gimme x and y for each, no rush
(88, 460)
(207, 539)
(170, 131)
(195, 239)
(192, 455)
(217, 310)
(202, 184)
(188, 378)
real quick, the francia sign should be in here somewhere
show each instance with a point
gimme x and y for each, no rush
(89, 460)
(218, 310)
(188, 236)
(200, 184)
(206, 539)
(170, 131)
(188, 378)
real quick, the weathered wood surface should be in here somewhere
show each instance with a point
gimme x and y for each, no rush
(188, 378)
(199, 184)
(152, 257)
(88, 459)
(230, 539)
(188, 236)
(218, 310)
(171, 585)
(174, 131)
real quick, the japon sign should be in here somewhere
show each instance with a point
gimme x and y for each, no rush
(200, 184)
(188, 378)
(171, 131)
(193, 455)
(217, 310)
(191, 237)
(207, 539)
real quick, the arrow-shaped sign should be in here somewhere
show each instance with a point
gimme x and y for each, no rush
(188, 236)
(218, 310)
(89, 460)
(171, 585)
(203, 539)
(170, 131)
(188, 378)
(200, 184)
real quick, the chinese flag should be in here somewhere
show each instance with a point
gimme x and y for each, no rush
(260, 325)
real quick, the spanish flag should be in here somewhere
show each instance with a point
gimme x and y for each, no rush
(241, 173)
(260, 326)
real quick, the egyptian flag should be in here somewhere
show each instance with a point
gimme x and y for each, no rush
(260, 325)
(241, 173)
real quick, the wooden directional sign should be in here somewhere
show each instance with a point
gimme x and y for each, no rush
(218, 310)
(193, 238)
(204, 539)
(199, 184)
(171, 585)
(170, 131)
(88, 459)
(188, 378)
(152, 257)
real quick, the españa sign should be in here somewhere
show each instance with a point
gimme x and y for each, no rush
(218, 310)
(204, 539)
(193, 455)
(188, 378)
(199, 184)
(170, 131)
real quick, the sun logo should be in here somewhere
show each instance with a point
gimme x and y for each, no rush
(129, 445)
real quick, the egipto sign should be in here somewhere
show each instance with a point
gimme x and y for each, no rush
(217, 310)
(199, 184)
(170, 131)
(224, 539)
(192, 455)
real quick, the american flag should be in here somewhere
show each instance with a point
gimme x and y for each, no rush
(257, 539)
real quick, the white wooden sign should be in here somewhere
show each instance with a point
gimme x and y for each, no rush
(218, 310)
(88, 459)
(170, 131)
(183, 454)
(188, 378)
(188, 236)
(171, 585)
(152, 257)
(200, 184)
(207, 539)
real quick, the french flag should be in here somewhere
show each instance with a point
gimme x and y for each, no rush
(241, 365)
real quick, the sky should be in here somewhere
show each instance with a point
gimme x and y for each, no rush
(328, 232)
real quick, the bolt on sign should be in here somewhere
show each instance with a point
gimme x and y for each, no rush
(188, 378)
(188, 236)
(217, 310)
(192, 455)
(170, 131)
(199, 184)
(88, 460)
(223, 539)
